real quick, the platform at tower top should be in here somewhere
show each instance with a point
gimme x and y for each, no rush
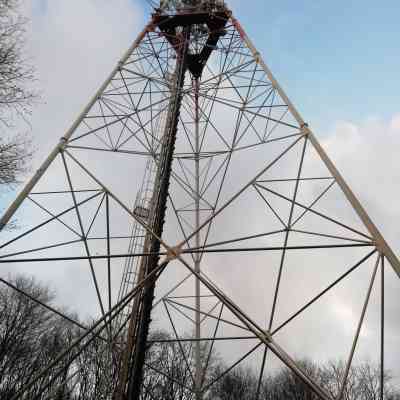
(167, 6)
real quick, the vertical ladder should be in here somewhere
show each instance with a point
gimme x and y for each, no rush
(141, 208)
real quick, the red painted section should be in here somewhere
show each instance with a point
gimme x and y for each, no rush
(238, 27)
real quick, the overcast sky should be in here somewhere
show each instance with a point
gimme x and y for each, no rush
(338, 62)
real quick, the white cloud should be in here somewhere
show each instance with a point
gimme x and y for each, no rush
(366, 153)
(75, 44)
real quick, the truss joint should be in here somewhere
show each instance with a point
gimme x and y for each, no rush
(267, 336)
(63, 143)
(380, 247)
(173, 253)
(305, 129)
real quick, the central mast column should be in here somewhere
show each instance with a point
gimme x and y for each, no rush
(198, 366)
(142, 316)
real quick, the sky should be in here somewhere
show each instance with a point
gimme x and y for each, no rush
(337, 61)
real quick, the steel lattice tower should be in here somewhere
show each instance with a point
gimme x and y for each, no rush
(231, 188)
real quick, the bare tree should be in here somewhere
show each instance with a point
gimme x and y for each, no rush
(16, 94)
(286, 385)
(15, 155)
(31, 337)
(363, 383)
(238, 384)
(16, 73)
(168, 369)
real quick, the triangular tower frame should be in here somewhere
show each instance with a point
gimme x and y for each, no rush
(188, 37)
